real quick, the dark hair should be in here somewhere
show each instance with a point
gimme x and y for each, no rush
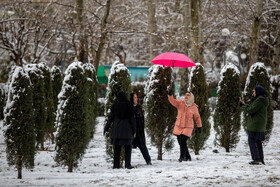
(132, 97)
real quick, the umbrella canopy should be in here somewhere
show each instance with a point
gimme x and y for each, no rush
(172, 59)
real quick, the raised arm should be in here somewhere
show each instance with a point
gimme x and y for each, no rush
(173, 101)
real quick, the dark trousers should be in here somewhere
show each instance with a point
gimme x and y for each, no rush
(117, 154)
(143, 148)
(255, 140)
(184, 151)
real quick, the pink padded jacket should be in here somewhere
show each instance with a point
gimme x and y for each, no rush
(184, 123)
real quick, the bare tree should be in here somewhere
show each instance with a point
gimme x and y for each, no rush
(195, 30)
(152, 24)
(103, 35)
(25, 31)
(254, 39)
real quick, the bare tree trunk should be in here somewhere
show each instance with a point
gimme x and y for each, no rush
(42, 145)
(83, 57)
(152, 28)
(253, 52)
(276, 56)
(19, 166)
(195, 30)
(103, 35)
(159, 150)
(275, 68)
(70, 166)
(200, 39)
(186, 22)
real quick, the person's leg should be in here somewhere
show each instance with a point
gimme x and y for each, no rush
(260, 150)
(253, 148)
(183, 147)
(145, 153)
(179, 138)
(260, 139)
(127, 149)
(187, 153)
(117, 153)
(144, 150)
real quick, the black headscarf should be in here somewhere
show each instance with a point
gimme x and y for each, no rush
(259, 91)
(123, 108)
(132, 97)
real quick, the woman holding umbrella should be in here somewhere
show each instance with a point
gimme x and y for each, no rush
(187, 114)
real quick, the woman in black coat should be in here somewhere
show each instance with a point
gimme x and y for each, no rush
(123, 129)
(139, 141)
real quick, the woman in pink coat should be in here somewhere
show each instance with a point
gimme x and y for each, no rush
(187, 114)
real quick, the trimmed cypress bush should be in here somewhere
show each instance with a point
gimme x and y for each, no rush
(19, 131)
(199, 88)
(92, 91)
(49, 127)
(227, 114)
(160, 114)
(56, 78)
(258, 76)
(38, 90)
(119, 80)
(72, 117)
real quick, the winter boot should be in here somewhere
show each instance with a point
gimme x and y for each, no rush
(255, 162)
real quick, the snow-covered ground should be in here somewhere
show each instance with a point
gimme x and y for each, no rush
(206, 169)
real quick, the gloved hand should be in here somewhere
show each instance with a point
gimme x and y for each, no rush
(170, 91)
(198, 130)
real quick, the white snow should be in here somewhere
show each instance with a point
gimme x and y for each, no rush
(225, 32)
(191, 73)
(151, 80)
(225, 68)
(206, 169)
(115, 69)
(258, 65)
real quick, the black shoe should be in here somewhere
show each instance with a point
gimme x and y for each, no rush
(149, 163)
(129, 167)
(182, 159)
(255, 162)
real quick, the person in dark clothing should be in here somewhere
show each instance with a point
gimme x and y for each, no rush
(256, 124)
(139, 140)
(123, 129)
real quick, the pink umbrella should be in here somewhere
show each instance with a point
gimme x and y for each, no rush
(172, 59)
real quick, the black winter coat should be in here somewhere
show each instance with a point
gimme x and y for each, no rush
(123, 120)
(140, 126)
